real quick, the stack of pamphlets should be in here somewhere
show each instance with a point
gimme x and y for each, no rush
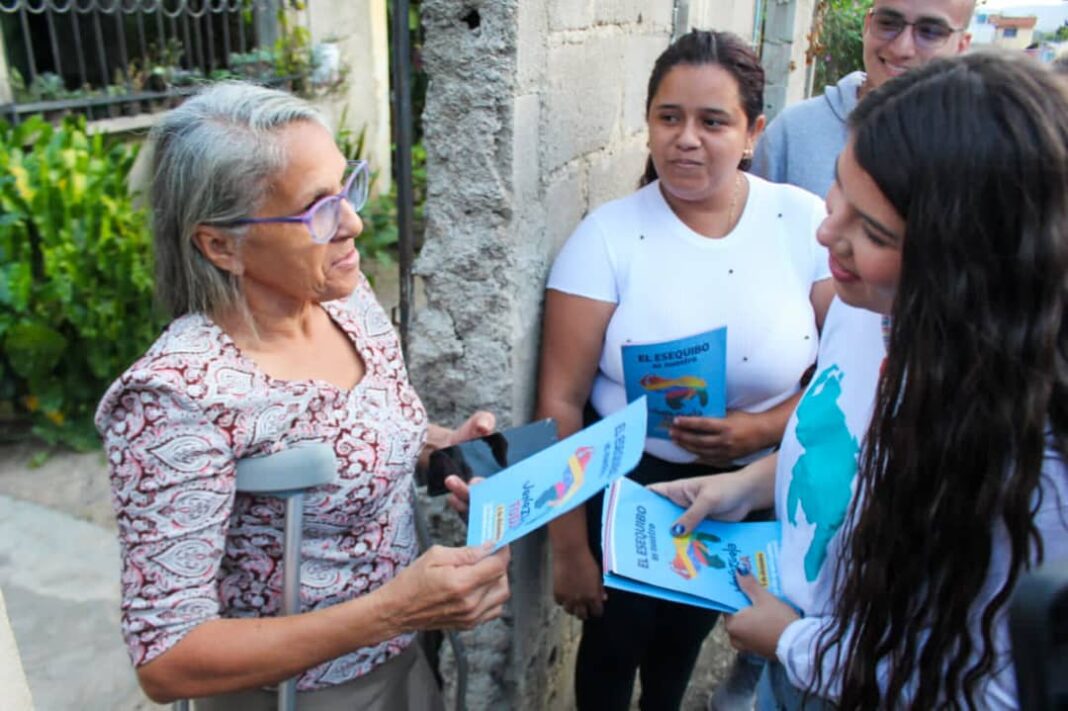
(641, 555)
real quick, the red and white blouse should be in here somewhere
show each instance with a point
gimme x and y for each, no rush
(174, 425)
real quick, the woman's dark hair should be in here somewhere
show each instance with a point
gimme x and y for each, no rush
(1060, 65)
(724, 49)
(973, 153)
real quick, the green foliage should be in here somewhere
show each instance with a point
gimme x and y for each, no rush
(75, 275)
(835, 44)
(378, 241)
(292, 49)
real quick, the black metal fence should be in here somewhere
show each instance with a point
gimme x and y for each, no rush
(115, 57)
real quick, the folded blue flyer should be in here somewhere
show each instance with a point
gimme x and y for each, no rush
(545, 485)
(641, 555)
(686, 376)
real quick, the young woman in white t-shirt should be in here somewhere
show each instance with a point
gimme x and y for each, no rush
(699, 246)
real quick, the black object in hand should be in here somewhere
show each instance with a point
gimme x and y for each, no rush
(488, 455)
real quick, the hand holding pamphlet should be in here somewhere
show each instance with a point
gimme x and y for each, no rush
(686, 376)
(540, 488)
(641, 555)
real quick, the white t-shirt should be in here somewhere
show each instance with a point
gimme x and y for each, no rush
(818, 455)
(670, 282)
(815, 483)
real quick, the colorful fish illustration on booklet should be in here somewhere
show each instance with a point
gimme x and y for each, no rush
(681, 377)
(677, 390)
(574, 474)
(692, 552)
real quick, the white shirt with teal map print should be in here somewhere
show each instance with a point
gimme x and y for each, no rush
(818, 458)
(815, 483)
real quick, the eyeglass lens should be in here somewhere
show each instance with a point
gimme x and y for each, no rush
(357, 194)
(926, 32)
(327, 216)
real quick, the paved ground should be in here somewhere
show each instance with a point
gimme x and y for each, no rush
(59, 566)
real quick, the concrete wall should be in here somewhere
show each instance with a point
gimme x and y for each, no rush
(360, 31)
(786, 27)
(534, 116)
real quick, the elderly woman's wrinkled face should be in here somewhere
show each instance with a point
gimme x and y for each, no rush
(280, 260)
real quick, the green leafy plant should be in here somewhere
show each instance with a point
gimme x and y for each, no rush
(835, 43)
(292, 49)
(378, 241)
(75, 275)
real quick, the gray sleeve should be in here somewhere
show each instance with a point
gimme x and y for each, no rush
(769, 157)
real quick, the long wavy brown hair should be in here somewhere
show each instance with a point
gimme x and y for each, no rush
(973, 153)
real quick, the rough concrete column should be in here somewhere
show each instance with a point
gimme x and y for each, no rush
(462, 347)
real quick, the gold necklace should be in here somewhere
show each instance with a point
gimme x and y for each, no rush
(734, 203)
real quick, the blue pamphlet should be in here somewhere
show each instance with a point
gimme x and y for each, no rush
(641, 555)
(686, 376)
(529, 494)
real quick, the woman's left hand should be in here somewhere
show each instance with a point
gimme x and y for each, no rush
(718, 441)
(477, 425)
(460, 493)
(757, 628)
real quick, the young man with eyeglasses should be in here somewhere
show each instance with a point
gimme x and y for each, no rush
(801, 144)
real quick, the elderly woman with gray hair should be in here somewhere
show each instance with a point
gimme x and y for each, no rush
(277, 340)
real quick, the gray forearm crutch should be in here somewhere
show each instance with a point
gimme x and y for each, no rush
(287, 475)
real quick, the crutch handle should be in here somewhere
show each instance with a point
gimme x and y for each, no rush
(288, 471)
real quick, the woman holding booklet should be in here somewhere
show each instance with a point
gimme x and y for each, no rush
(277, 341)
(701, 249)
(923, 471)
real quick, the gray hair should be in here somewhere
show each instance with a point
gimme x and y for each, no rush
(213, 158)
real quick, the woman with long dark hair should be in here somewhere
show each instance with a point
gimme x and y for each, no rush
(915, 490)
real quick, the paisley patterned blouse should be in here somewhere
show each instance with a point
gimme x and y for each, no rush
(173, 427)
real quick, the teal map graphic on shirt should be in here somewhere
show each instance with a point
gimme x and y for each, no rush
(823, 475)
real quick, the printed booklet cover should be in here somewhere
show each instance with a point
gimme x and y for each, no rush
(641, 555)
(687, 376)
(545, 485)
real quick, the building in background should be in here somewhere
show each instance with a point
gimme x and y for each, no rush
(1013, 32)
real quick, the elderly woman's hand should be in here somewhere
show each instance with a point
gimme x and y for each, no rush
(449, 588)
(460, 493)
(477, 425)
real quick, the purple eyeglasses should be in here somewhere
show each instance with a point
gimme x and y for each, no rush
(324, 217)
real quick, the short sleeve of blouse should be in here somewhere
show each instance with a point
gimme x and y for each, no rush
(172, 482)
(584, 266)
